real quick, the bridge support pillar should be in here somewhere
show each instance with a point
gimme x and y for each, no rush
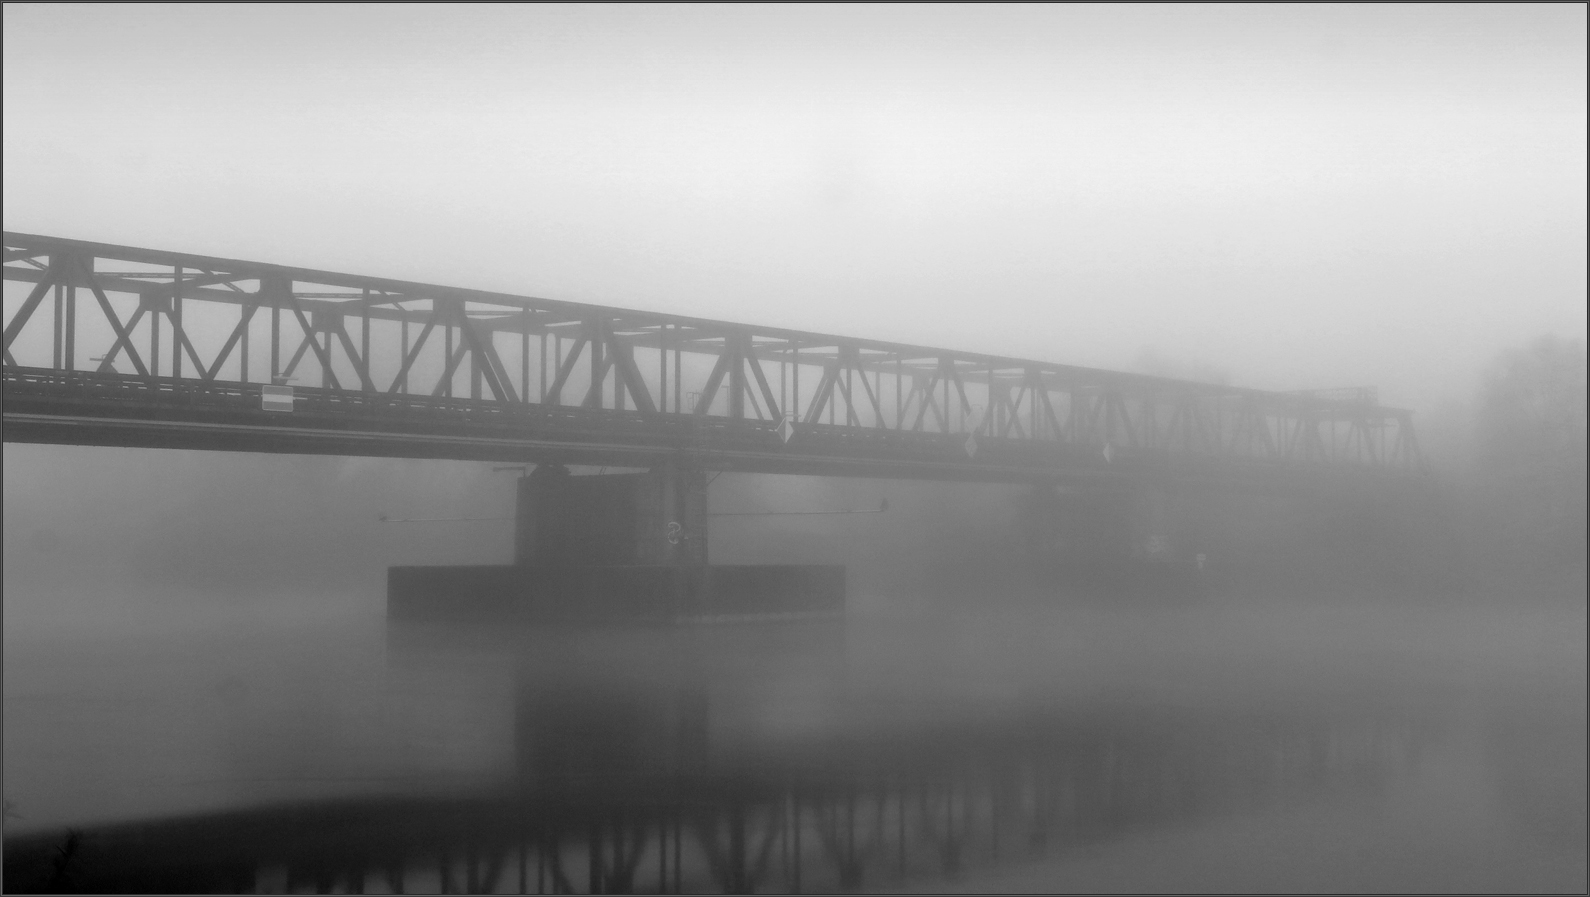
(1109, 537)
(622, 546)
(1154, 535)
(656, 517)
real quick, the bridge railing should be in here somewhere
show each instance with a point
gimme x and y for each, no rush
(77, 306)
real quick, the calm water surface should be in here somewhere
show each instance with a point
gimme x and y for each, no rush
(1474, 720)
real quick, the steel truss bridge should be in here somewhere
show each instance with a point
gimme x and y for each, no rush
(115, 345)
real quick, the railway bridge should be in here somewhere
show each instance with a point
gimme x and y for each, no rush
(121, 346)
(114, 345)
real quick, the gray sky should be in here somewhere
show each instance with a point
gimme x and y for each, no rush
(1303, 197)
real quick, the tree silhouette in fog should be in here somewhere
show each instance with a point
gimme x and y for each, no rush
(1531, 441)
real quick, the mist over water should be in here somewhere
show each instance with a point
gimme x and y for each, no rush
(1354, 689)
(269, 674)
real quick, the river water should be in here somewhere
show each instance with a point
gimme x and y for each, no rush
(1475, 711)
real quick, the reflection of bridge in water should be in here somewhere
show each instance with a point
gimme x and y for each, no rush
(654, 777)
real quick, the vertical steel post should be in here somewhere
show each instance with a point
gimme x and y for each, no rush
(949, 427)
(877, 391)
(154, 340)
(474, 370)
(71, 327)
(364, 342)
(242, 349)
(1032, 405)
(850, 397)
(732, 348)
(899, 403)
(404, 383)
(594, 337)
(176, 324)
(447, 359)
(58, 306)
(618, 384)
(276, 336)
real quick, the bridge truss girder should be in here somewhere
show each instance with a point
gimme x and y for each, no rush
(573, 375)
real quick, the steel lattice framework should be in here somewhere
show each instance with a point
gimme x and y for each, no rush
(117, 345)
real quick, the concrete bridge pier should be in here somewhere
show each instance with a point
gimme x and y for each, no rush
(1111, 539)
(656, 517)
(612, 546)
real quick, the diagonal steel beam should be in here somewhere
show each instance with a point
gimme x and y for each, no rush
(960, 385)
(361, 363)
(179, 336)
(123, 334)
(824, 392)
(226, 350)
(495, 374)
(414, 352)
(303, 347)
(132, 324)
(555, 391)
(872, 397)
(1012, 407)
(321, 352)
(929, 401)
(450, 369)
(714, 380)
(623, 356)
(30, 304)
(760, 376)
(1048, 410)
(602, 364)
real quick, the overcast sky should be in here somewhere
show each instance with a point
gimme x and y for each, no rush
(1302, 197)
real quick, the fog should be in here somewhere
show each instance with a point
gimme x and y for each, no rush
(1271, 197)
(1302, 198)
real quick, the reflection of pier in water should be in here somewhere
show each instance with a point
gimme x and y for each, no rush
(646, 781)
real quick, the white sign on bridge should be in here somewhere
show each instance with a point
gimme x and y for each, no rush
(276, 398)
